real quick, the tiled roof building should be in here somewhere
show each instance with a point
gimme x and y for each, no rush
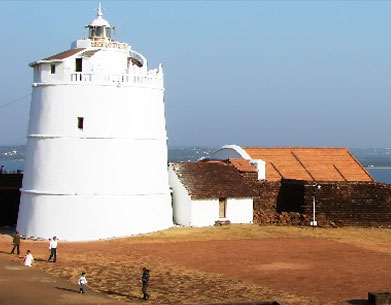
(309, 163)
(209, 192)
(297, 163)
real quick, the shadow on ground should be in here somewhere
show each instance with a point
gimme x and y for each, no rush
(358, 302)
(130, 297)
(68, 289)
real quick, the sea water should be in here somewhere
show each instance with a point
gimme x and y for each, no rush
(381, 175)
(12, 166)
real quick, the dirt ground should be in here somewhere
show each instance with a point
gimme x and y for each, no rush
(20, 285)
(291, 268)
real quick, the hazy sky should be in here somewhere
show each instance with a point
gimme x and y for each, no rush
(255, 73)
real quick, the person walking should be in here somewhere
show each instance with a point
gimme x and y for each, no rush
(16, 243)
(145, 280)
(53, 249)
(82, 282)
(28, 259)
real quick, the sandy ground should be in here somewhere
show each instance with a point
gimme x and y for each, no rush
(288, 270)
(29, 286)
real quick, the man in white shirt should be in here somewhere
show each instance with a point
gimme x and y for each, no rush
(53, 249)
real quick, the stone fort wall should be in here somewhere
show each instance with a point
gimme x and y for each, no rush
(9, 198)
(337, 203)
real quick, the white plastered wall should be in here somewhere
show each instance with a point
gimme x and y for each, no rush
(204, 212)
(181, 200)
(239, 210)
(92, 217)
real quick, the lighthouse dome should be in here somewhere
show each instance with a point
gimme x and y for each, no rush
(99, 28)
(100, 22)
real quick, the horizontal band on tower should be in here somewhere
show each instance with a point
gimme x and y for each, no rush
(35, 192)
(118, 85)
(39, 136)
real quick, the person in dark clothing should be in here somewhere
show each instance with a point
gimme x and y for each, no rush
(145, 280)
(16, 242)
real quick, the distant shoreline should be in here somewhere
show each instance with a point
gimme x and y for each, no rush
(377, 167)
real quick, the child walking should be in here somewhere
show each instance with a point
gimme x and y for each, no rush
(82, 282)
(28, 259)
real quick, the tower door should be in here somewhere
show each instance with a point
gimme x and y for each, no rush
(79, 64)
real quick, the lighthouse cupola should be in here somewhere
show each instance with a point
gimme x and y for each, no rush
(99, 29)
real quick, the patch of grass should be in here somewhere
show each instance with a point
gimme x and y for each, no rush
(375, 239)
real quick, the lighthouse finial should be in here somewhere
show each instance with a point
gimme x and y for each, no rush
(100, 14)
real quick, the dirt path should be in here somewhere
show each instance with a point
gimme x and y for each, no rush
(28, 286)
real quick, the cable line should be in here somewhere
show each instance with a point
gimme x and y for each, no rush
(14, 101)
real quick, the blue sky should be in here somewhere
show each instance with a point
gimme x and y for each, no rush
(256, 73)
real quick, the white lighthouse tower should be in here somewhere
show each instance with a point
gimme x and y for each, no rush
(96, 159)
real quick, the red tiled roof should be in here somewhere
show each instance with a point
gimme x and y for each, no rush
(243, 165)
(309, 163)
(207, 180)
(64, 54)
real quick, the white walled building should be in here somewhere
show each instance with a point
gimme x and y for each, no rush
(206, 192)
(96, 157)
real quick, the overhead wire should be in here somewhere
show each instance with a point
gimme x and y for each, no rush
(14, 101)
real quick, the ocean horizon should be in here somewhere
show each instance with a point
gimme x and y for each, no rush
(380, 174)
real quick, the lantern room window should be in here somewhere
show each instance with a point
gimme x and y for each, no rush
(108, 33)
(99, 32)
(92, 32)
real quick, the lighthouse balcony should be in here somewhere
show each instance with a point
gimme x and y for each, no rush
(150, 80)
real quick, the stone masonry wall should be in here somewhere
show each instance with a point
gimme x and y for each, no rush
(290, 202)
(350, 203)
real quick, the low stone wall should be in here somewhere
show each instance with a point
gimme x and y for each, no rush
(350, 203)
(9, 198)
(266, 196)
(290, 202)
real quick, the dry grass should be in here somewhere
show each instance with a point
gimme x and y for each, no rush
(375, 239)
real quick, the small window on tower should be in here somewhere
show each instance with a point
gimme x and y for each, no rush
(80, 123)
(52, 69)
(79, 64)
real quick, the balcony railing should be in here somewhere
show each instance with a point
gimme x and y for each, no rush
(109, 44)
(125, 79)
